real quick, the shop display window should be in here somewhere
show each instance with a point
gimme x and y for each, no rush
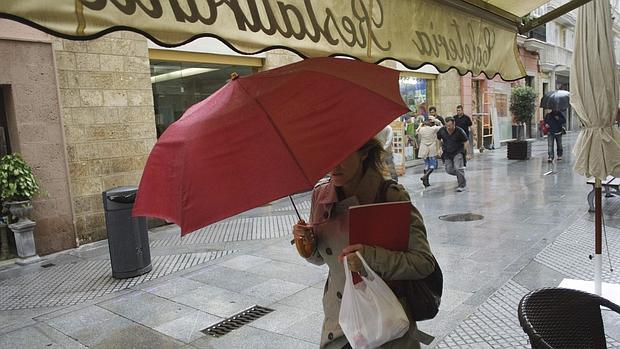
(415, 91)
(179, 85)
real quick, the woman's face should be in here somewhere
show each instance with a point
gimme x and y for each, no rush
(348, 169)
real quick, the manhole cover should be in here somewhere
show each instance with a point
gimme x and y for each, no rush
(461, 217)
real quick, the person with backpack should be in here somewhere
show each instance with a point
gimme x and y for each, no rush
(358, 180)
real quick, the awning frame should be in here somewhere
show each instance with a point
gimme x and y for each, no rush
(551, 15)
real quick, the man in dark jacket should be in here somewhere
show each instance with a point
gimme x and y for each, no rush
(453, 144)
(555, 122)
(463, 121)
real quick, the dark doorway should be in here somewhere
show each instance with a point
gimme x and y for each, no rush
(7, 241)
(5, 142)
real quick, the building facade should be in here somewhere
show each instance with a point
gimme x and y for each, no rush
(81, 114)
(554, 44)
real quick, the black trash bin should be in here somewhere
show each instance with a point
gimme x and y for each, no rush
(128, 239)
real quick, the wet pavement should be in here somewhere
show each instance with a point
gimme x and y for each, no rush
(535, 231)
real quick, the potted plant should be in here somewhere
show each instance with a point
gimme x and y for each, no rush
(523, 107)
(17, 188)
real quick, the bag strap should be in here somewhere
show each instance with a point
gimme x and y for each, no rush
(383, 188)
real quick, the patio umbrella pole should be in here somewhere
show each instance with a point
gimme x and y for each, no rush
(598, 258)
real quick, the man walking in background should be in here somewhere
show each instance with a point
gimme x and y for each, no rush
(432, 114)
(454, 143)
(555, 122)
(464, 122)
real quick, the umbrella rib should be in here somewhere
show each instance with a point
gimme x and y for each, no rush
(278, 131)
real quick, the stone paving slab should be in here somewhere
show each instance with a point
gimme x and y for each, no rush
(96, 327)
(39, 336)
(173, 319)
(226, 278)
(218, 301)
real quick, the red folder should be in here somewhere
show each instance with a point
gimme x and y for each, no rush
(384, 224)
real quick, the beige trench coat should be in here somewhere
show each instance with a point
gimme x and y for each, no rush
(330, 223)
(428, 141)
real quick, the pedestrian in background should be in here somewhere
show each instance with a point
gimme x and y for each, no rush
(386, 137)
(428, 147)
(409, 131)
(464, 122)
(358, 180)
(454, 144)
(555, 122)
(432, 113)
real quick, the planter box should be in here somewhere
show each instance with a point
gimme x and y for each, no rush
(519, 150)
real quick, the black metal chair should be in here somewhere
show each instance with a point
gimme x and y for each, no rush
(561, 318)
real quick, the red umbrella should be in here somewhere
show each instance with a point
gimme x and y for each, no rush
(264, 136)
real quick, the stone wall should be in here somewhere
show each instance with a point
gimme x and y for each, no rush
(109, 125)
(448, 92)
(29, 87)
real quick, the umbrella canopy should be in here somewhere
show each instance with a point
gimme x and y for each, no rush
(471, 36)
(555, 100)
(594, 87)
(265, 136)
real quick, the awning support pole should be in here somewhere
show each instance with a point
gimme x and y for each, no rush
(549, 16)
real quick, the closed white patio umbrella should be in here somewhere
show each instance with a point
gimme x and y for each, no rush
(594, 98)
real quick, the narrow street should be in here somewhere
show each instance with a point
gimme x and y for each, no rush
(535, 231)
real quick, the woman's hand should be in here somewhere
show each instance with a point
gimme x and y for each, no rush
(355, 264)
(305, 240)
(302, 230)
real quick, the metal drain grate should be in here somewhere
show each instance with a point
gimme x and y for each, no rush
(234, 322)
(461, 217)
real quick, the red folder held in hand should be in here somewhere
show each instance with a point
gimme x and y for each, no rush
(384, 224)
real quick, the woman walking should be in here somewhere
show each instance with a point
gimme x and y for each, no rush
(428, 148)
(358, 180)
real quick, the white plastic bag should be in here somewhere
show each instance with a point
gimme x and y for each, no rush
(370, 313)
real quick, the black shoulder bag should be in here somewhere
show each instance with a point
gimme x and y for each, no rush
(424, 295)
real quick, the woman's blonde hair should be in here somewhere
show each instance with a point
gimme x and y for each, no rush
(374, 149)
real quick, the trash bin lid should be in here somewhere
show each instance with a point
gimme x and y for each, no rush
(121, 191)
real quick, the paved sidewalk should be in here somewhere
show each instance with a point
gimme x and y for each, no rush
(535, 232)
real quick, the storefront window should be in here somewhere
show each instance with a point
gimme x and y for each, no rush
(417, 92)
(505, 121)
(179, 85)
